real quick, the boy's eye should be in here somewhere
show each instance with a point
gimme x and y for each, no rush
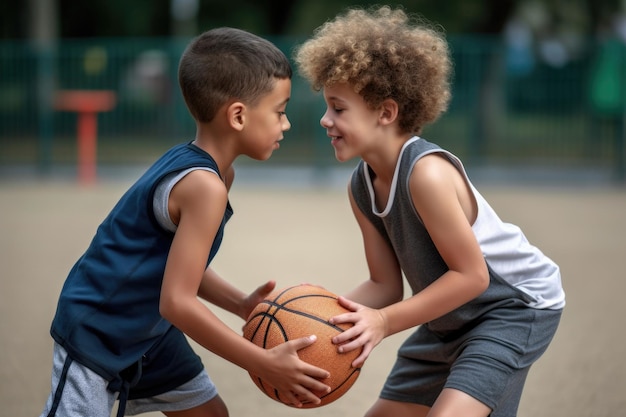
(282, 113)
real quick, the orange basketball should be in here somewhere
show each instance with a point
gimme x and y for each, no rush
(301, 311)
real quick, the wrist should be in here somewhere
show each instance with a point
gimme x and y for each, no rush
(385, 324)
(243, 310)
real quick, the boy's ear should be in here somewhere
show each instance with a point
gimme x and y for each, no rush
(388, 112)
(236, 114)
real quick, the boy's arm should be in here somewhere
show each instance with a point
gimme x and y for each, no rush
(446, 207)
(385, 285)
(217, 291)
(197, 203)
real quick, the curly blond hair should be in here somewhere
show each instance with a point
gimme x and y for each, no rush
(382, 53)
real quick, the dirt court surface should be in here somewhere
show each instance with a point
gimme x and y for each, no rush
(307, 234)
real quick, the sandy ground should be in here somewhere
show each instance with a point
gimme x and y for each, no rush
(307, 234)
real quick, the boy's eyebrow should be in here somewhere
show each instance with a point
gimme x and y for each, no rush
(335, 98)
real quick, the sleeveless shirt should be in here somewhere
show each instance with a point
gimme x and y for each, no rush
(516, 268)
(108, 312)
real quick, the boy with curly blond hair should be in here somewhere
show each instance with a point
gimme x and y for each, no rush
(485, 302)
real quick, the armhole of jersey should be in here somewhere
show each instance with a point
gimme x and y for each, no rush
(357, 188)
(160, 202)
(456, 163)
(361, 195)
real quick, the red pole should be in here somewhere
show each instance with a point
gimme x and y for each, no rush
(87, 130)
(87, 105)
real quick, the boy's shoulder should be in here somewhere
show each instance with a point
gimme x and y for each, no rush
(186, 154)
(176, 159)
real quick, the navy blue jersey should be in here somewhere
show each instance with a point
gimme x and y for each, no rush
(108, 311)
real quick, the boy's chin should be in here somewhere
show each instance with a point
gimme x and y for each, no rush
(261, 157)
(343, 158)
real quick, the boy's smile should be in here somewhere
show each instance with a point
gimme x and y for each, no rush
(349, 122)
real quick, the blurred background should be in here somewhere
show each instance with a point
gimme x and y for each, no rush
(538, 109)
(538, 93)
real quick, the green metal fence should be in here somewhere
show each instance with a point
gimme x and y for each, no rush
(505, 111)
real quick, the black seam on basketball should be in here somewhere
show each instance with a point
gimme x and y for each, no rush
(277, 395)
(273, 320)
(342, 382)
(307, 315)
(258, 327)
(265, 390)
(282, 306)
(308, 296)
(286, 290)
(282, 293)
(273, 306)
(267, 314)
(280, 327)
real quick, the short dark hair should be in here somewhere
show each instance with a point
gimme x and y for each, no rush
(227, 63)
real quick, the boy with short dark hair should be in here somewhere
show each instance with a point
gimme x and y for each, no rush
(131, 298)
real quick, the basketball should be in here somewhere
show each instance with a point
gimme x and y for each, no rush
(301, 311)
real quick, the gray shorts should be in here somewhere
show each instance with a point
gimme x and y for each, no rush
(488, 360)
(85, 393)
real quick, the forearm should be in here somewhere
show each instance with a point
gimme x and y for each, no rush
(375, 294)
(219, 292)
(295, 380)
(449, 292)
(197, 321)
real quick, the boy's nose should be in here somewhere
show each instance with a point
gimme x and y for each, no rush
(286, 123)
(325, 121)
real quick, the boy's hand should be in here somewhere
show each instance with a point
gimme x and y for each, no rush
(296, 381)
(252, 300)
(369, 328)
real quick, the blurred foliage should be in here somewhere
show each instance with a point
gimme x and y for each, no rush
(532, 77)
(149, 18)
